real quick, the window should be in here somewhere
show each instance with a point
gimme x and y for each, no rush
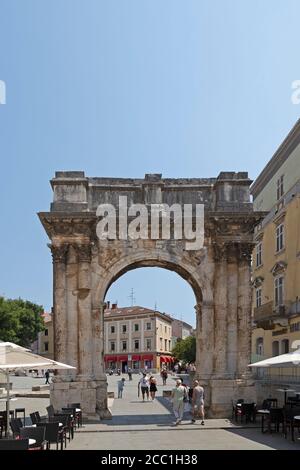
(124, 345)
(148, 344)
(275, 348)
(285, 346)
(280, 190)
(165, 329)
(260, 346)
(166, 345)
(46, 332)
(259, 254)
(136, 344)
(169, 345)
(136, 327)
(258, 297)
(112, 346)
(161, 343)
(279, 237)
(148, 326)
(279, 291)
(112, 329)
(46, 346)
(124, 328)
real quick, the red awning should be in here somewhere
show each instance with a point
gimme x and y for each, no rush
(110, 358)
(163, 359)
(147, 357)
(123, 358)
(136, 357)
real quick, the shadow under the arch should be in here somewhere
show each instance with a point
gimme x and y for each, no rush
(158, 419)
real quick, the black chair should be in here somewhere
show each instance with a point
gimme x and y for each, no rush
(2, 426)
(16, 425)
(276, 418)
(288, 420)
(247, 411)
(50, 410)
(14, 444)
(272, 402)
(3, 418)
(235, 406)
(37, 433)
(52, 434)
(77, 406)
(33, 418)
(22, 411)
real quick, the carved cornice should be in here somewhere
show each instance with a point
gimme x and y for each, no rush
(59, 252)
(279, 268)
(69, 225)
(258, 281)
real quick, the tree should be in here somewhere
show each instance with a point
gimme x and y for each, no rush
(20, 321)
(185, 349)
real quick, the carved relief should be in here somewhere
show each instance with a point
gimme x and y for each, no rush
(59, 252)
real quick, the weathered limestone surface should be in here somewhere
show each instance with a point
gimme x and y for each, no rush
(84, 267)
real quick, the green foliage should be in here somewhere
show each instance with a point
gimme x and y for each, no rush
(185, 349)
(20, 321)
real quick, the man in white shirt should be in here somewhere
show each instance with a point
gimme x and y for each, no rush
(144, 386)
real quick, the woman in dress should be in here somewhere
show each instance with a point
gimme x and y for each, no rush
(153, 388)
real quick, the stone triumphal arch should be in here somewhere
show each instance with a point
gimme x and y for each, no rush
(85, 266)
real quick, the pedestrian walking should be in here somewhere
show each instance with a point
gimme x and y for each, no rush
(179, 395)
(164, 376)
(47, 375)
(153, 387)
(129, 372)
(121, 384)
(143, 385)
(198, 402)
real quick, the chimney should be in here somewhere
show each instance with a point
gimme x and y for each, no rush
(108, 305)
(114, 306)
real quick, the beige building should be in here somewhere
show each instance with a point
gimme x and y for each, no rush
(136, 337)
(276, 260)
(44, 344)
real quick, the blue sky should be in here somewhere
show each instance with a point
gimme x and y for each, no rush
(127, 87)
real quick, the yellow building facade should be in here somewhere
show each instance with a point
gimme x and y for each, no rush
(276, 257)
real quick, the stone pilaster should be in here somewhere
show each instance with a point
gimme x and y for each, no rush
(232, 305)
(205, 339)
(85, 363)
(220, 311)
(60, 323)
(72, 310)
(244, 310)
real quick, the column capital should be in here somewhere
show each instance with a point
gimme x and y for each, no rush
(84, 252)
(219, 251)
(245, 252)
(59, 252)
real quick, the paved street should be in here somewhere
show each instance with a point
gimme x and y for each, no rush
(150, 425)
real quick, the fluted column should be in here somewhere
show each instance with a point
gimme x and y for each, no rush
(220, 310)
(85, 364)
(244, 309)
(72, 309)
(60, 324)
(232, 306)
(98, 340)
(205, 339)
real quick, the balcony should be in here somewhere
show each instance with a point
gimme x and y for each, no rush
(266, 316)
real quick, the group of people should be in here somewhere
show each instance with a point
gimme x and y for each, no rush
(146, 385)
(180, 396)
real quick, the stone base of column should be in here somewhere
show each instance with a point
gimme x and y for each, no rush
(220, 393)
(101, 399)
(85, 393)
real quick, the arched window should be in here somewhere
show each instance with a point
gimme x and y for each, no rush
(260, 346)
(275, 348)
(285, 346)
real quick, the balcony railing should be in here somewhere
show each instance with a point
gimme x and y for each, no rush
(268, 312)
